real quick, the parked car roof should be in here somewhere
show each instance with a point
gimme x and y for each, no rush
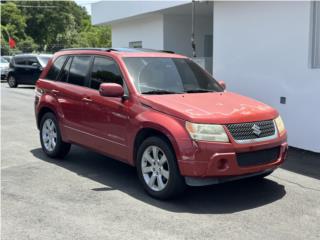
(32, 55)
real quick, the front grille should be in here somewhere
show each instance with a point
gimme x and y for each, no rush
(258, 157)
(245, 131)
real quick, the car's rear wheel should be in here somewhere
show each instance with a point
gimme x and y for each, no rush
(12, 82)
(50, 137)
(157, 169)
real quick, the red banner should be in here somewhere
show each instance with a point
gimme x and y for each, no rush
(12, 42)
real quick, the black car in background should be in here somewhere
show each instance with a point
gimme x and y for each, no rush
(26, 68)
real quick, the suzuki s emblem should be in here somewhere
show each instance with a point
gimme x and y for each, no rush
(256, 129)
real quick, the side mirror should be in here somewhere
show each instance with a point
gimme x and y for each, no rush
(111, 90)
(223, 85)
(35, 65)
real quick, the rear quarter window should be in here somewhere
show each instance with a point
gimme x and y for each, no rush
(56, 68)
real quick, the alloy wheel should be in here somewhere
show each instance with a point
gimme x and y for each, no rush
(155, 168)
(11, 81)
(49, 135)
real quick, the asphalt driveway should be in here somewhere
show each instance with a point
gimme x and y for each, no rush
(89, 196)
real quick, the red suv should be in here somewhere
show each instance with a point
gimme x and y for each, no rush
(160, 112)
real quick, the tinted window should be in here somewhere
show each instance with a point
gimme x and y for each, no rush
(105, 71)
(79, 70)
(32, 60)
(65, 72)
(56, 68)
(20, 61)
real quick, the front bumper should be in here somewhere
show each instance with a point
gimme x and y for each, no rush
(207, 160)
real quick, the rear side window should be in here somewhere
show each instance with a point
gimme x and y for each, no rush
(56, 68)
(105, 70)
(79, 70)
(20, 61)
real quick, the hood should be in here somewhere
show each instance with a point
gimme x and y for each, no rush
(218, 107)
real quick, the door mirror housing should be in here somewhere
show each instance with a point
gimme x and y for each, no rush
(223, 85)
(111, 90)
(35, 65)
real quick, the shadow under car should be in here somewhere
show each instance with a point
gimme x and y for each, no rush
(223, 198)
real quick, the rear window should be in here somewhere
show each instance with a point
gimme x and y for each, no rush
(56, 68)
(79, 70)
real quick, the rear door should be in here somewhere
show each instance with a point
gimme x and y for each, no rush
(70, 91)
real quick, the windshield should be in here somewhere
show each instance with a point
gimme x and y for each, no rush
(153, 75)
(44, 60)
(3, 60)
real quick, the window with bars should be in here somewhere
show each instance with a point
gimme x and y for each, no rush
(135, 44)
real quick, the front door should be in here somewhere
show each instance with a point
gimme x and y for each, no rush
(34, 69)
(106, 118)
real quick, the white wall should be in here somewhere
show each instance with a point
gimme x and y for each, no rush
(110, 11)
(148, 29)
(261, 49)
(177, 33)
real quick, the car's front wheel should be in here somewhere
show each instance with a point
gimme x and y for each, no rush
(157, 169)
(12, 82)
(50, 137)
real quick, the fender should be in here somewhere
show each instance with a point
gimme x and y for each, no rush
(173, 128)
(48, 101)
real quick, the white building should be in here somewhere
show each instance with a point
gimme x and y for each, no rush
(265, 50)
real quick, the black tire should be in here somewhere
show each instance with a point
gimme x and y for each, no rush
(175, 184)
(61, 148)
(12, 82)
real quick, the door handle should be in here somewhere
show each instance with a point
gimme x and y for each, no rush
(54, 91)
(87, 99)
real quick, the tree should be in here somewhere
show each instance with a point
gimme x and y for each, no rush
(27, 45)
(13, 20)
(52, 25)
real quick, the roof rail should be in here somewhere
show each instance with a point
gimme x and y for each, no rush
(117, 50)
(84, 49)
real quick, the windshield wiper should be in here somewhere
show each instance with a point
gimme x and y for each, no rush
(198, 90)
(160, 91)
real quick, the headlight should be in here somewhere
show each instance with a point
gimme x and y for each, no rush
(207, 132)
(280, 124)
(38, 92)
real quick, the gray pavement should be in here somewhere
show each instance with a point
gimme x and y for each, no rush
(89, 196)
